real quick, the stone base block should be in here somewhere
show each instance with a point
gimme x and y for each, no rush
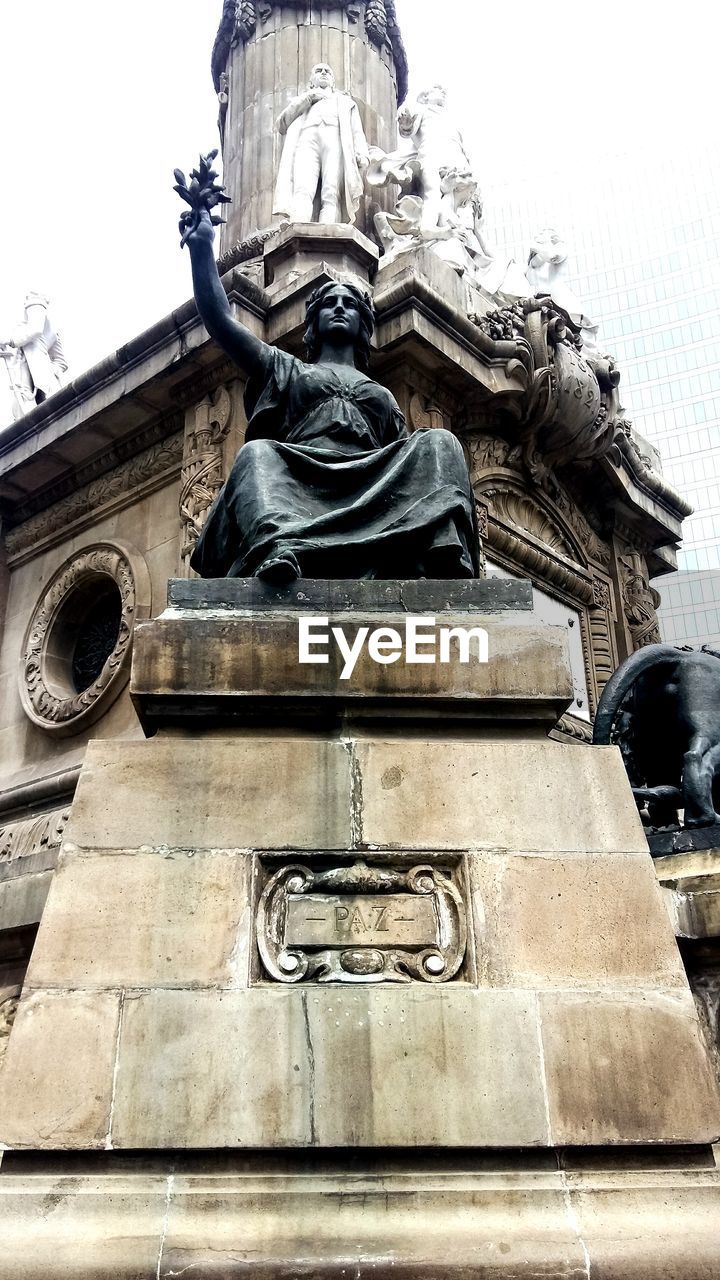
(237, 651)
(411, 1217)
(278, 942)
(691, 885)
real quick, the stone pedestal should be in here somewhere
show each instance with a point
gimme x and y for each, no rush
(355, 976)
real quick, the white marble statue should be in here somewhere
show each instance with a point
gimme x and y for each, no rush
(441, 207)
(33, 359)
(546, 272)
(432, 145)
(325, 153)
(437, 146)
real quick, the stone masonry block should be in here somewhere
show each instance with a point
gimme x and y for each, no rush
(213, 793)
(145, 919)
(322, 1067)
(70, 1228)
(56, 1082)
(534, 796)
(632, 1069)
(213, 1069)
(572, 921)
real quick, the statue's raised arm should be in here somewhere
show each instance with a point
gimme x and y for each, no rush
(203, 193)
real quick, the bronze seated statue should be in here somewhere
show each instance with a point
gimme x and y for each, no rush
(329, 484)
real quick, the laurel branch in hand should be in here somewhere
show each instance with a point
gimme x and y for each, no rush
(202, 193)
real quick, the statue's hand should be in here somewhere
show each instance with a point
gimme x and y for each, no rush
(196, 225)
(202, 194)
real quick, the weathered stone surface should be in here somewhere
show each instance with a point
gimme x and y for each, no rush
(632, 1069)
(329, 595)
(318, 1066)
(89, 1228)
(429, 1232)
(660, 1226)
(22, 899)
(57, 1079)
(145, 919)
(223, 667)
(306, 246)
(691, 888)
(524, 796)
(569, 922)
(232, 1069)
(382, 1217)
(213, 793)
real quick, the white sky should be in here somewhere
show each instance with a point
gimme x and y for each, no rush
(100, 101)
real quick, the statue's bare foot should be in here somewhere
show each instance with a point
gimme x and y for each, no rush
(279, 569)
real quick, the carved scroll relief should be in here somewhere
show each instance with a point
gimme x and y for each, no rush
(8, 1008)
(31, 836)
(202, 469)
(361, 924)
(640, 600)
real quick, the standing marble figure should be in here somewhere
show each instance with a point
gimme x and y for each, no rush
(34, 359)
(329, 483)
(324, 152)
(438, 146)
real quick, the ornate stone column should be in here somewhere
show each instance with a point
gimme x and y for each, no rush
(263, 56)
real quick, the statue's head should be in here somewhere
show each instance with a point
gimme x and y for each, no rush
(322, 76)
(340, 314)
(548, 246)
(435, 96)
(460, 182)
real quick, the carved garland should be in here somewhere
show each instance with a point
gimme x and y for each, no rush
(48, 699)
(33, 835)
(202, 471)
(8, 1009)
(640, 600)
(159, 461)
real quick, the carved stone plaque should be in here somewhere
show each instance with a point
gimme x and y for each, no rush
(360, 923)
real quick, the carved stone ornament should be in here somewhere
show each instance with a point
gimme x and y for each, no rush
(569, 407)
(489, 454)
(157, 463)
(601, 594)
(48, 692)
(640, 601)
(202, 471)
(361, 924)
(30, 836)
(8, 1009)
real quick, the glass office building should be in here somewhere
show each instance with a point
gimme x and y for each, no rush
(644, 233)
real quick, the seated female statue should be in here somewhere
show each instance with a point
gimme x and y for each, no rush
(329, 483)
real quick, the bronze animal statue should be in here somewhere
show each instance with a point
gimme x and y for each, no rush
(662, 707)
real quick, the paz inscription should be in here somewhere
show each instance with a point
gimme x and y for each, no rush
(319, 920)
(361, 923)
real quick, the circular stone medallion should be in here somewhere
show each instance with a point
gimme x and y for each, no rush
(76, 653)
